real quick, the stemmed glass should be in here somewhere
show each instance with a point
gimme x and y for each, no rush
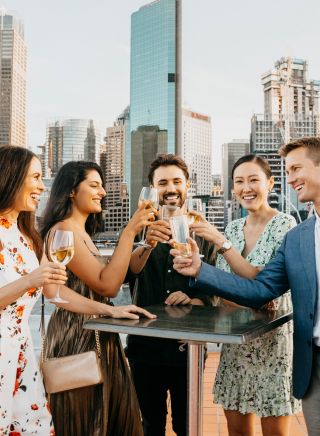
(61, 251)
(194, 205)
(149, 197)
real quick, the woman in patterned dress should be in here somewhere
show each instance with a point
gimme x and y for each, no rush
(254, 378)
(112, 407)
(23, 406)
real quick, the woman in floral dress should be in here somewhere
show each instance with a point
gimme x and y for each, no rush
(254, 378)
(23, 406)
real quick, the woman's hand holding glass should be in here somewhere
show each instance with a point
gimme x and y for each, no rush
(149, 197)
(195, 210)
(142, 218)
(46, 274)
(61, 251)
(208, 231)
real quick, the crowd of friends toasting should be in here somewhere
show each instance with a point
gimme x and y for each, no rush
(170, 254)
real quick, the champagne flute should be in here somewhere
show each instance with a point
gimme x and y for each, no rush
(149, 197)
(180, 234)
(61, 251)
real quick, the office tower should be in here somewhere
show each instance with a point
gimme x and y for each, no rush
(112, 160)
(197, 150)
(291, 103)
(13, 68)
(155, 85)
(231, 152)
(71, 139)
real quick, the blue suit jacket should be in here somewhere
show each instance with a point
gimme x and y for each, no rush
(293, 267)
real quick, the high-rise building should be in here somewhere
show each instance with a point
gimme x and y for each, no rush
(197, 150)
(155, 85)
(71, 139)
(13, 69)
(291, 103)
(231, 152)
(112, 160)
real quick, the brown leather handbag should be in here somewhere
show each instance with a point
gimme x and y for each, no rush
(70, 372)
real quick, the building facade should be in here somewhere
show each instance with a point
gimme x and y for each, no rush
(155, 85)
(197, 150)
(291, 103)
(231, 152)
(72, 139)
(13, 70)
(112, 161)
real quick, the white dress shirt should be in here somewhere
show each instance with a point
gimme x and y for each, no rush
(316, 328)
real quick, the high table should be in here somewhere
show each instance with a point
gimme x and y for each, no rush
(197, 325)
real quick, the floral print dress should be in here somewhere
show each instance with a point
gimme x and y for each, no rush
(257, 377)
(23, 406)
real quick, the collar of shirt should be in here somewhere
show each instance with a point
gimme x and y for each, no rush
(317, 220)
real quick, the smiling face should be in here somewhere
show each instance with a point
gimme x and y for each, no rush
(28, 197)
(251, 186)
(88, 195)
(172, 185)
(303, 174)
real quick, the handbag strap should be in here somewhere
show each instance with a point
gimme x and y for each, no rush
(43, 333)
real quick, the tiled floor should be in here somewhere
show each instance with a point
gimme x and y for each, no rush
(214, 422)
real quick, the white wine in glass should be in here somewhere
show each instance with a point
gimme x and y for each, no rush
(61, 251)
(149, 197)
(180, 234)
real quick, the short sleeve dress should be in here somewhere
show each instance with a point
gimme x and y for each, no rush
(23, 406)
(257, 377)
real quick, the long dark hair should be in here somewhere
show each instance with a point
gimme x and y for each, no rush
(59, 206)
(260, 161)
(14, 165)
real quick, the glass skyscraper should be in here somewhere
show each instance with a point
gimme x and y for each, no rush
(13, 62)
(155, 89)
(72, 139)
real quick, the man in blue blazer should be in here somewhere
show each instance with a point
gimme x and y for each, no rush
(296, 266)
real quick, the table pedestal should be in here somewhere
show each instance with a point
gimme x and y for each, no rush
(195, 387)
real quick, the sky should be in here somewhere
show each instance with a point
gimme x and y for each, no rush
(79, 58)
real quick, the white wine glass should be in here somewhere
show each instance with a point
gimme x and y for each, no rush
(194, 205)
(180, 234)
(168, 211)
(61, 251)
(149, 197)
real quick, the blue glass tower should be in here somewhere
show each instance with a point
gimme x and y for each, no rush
(155, 90)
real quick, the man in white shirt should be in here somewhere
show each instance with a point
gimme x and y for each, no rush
(296, 266)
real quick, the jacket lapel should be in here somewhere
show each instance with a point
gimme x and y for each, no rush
(307, 247)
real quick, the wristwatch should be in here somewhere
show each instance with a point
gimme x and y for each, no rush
(225, 247)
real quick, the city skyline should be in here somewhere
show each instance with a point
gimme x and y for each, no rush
(79, 56)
